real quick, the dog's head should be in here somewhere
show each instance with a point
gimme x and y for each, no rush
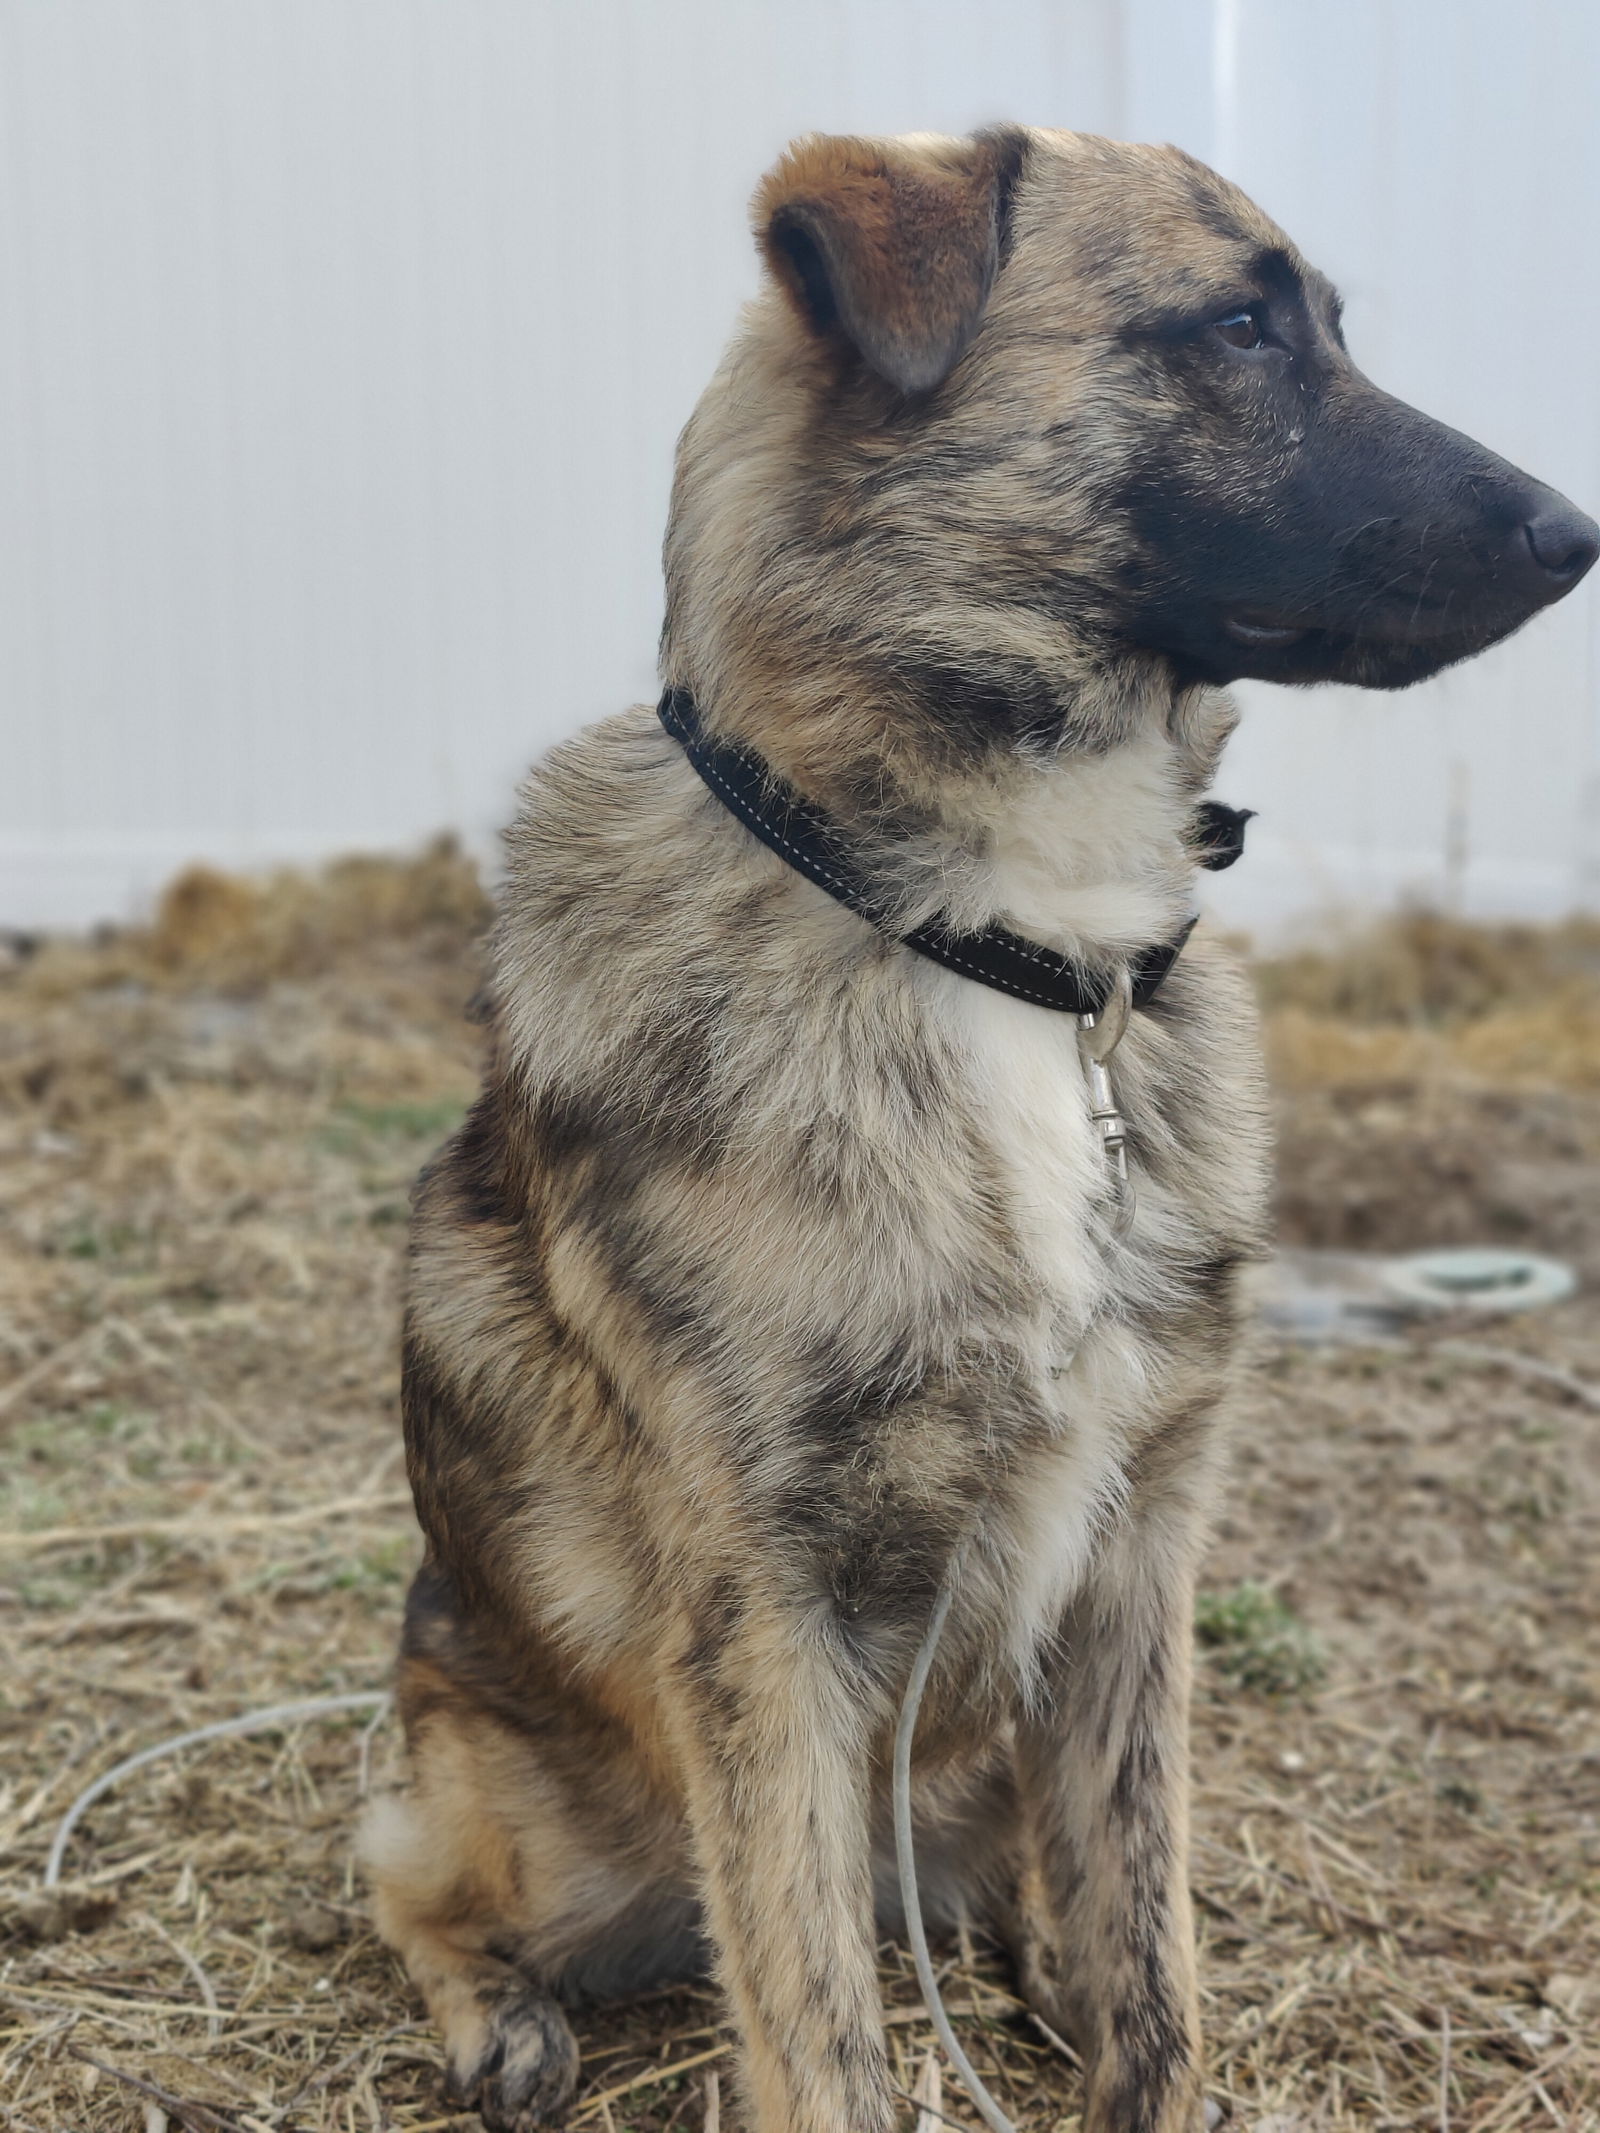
(1044, 390)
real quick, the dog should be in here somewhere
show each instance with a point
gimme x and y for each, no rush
(782, 1278)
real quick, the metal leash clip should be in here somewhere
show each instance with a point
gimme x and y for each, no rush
(1098, 1037)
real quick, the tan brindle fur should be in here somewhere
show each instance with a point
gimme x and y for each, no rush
(748, 1293)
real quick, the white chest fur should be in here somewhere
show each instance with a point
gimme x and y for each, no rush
(1030, 1103)
(1029, 1099)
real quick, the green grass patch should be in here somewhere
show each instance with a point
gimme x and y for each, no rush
(89, 1240)
(1258, 1642)
(388, 1141)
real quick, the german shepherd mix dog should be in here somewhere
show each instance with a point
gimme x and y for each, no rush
(778, 1281)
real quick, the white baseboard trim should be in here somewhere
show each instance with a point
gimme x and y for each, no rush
(1278, 890)
(1281, 890)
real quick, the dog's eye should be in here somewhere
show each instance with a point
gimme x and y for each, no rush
(1240, 329)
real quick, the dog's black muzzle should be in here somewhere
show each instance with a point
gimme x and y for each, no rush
(1379, 548)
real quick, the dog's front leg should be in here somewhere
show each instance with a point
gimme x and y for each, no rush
(771, 1742)
(1107, 1933)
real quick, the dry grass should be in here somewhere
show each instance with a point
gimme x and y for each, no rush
(207, 1135)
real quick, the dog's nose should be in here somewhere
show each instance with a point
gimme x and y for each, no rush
(1561, 544)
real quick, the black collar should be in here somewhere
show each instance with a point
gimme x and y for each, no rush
(812, 845)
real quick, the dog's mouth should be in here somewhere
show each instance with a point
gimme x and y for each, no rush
(1262, 633)
(1252, 644)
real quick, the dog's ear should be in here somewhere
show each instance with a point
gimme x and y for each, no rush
(890, 245)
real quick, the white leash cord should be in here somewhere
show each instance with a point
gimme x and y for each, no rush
(905, 1859)
(279, 1714)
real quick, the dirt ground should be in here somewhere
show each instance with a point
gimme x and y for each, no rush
(206, 1138)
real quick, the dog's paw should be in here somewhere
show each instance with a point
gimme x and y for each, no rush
(523, 2067)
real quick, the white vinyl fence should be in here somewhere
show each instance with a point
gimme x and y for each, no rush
(343, 344)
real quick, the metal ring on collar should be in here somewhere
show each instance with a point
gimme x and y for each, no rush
(1100, 1034)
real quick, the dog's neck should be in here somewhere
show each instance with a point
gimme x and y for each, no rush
(1082, 848)
(1088, 853)
(991, 747)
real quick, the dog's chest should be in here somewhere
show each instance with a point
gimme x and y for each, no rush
(1030, 1100)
